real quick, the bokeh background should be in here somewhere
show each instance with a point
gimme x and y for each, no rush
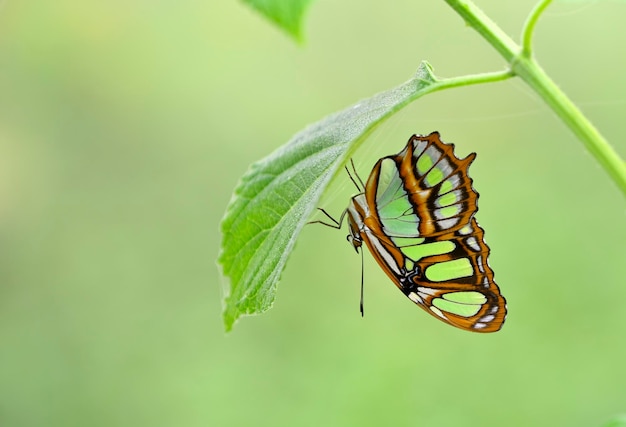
(124, 127)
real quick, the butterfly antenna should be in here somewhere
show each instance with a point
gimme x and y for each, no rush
(357, 174)
(352, 179)
(361, 305)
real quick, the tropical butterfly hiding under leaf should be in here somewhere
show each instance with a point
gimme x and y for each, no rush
(416, 216)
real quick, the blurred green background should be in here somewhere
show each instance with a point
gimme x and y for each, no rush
(124, 127)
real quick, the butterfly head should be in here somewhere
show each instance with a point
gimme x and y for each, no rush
(355, 235)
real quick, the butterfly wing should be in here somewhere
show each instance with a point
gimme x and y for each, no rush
(417, 218)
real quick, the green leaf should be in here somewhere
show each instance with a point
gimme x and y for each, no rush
(287, 14)
(277, 195)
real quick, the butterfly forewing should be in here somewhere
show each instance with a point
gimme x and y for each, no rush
(417, 218)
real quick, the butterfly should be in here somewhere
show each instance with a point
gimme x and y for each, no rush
(416, 214)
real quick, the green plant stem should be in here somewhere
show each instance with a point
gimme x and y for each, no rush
(529, 27)
(475, 18)
(471, 79)
(524, 65)
(595, 143)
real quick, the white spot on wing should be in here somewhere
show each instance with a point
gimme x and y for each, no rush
(437, 311)
(480, 325)
(471, 241)
(488, 318)
(447, 223)
(466, 230)
(455, 180)
(479, 261)
(427, 291)
(415, 298)
(444, 166)
(434, 153)
(485, 282)
(418, 148)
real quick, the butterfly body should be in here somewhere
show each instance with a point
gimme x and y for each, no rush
(416, 216)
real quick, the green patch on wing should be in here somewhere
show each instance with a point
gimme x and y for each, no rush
(424, 163)
(420, 251)
(447, 199)
(401, 242)
(399, 208)
(392, 202)
(449, 270)
(449, 211)
(434, 177)
(389, 183)
(406, 226)
(446, 187)
(466, 297)
(460, 309)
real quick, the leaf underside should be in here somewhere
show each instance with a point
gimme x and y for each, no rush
(277, 195)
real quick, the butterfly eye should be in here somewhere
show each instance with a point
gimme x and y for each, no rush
(356, 241)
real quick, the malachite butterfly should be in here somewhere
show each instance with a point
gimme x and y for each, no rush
(416, 216)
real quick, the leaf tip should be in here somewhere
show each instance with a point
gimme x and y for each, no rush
(286, 14)
(228, 319)
(425, 72)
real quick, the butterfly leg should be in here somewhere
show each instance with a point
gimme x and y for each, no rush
(336, 224)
